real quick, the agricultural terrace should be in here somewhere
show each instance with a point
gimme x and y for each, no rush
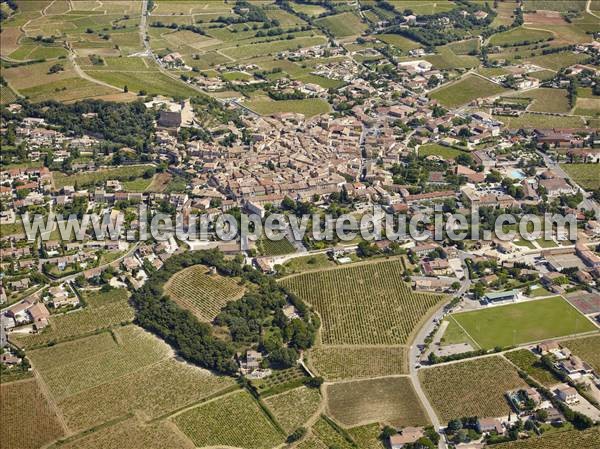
(95, 379)
(28, 420)
(572, 439)
(466, 90)
(524, 322)
(155, 435)
(470, 388)
(586, 348)
(84, 179)
(104, 310)
(355, 362)
(528, 362)
(202, 292)
(586, 175)
(389, 400)
(342, 25)
(233, 420)
(362, 304)
(294, 408)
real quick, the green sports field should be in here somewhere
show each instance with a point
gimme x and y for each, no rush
(523, 322)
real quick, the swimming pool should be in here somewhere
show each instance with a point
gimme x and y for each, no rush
(517, 174)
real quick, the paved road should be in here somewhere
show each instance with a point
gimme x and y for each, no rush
(414, 353)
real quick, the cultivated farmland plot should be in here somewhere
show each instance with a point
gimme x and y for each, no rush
(589, 439)
(389, 400)
(367, 437)
(132, 433)
(151, 392)
(347, 362)
(28, 420)
(104, 311)
(470, 388)
(98, 378)
(233, 420)
(202, 293)
(136, 349)
(528, 362)
(466, 90)
(293, 408)
(329, 436)
(364, 304)
(588, 348)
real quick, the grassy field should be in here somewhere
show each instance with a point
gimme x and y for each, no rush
(126, 173)
(518, 35)
(234, 420)
(586, 348)
(28, 420)
(528, 362)
(547, 100)
(104, 310)
(522, 323)
(156, 435)
(309, 107)
(346, 362)
(293, 408)
(202, 293)
(470, 388)
(385, 400)
(342, 25)
(586, 175)
(364, 303)
(572, 439)
(454, 334)
(465, 91)
(439, 150)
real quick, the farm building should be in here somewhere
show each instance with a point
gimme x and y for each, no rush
(406, 436)
(509, 295)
